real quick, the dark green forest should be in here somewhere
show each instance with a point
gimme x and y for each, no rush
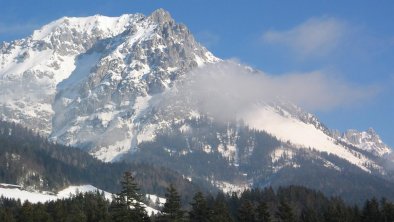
(32, 160)
(287, 204)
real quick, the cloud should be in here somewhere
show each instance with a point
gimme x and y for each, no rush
(314, 37)
(227, 88)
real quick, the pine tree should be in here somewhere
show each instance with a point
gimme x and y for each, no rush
(172, 211)
(371, 211)
(356, 215)
(334, 212)
(263, 214)
(387, 210)
(96, 207)
(246, 212)
(200, 211)
(119, 209)
(6, 215)
(220, 212)
(285, 213)
(26, 212)
(40, 214)
(309, 215)
(127, 204)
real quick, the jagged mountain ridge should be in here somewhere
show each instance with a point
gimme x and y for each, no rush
(91, 82)
(98, 72)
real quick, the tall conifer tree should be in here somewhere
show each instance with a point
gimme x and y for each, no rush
(172, 211)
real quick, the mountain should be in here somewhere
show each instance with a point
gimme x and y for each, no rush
(78, 74)
(121, 89)
(368, 141)
(36, 164)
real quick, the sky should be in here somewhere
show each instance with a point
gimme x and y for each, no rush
(348, 43)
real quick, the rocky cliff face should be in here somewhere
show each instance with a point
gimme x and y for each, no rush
(114, 93)
(86, 81)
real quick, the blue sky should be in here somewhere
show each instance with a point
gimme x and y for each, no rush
(350, 41)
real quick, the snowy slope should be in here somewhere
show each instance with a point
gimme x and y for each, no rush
(16, 192)
(303, 135)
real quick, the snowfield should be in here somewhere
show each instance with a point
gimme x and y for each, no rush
(16, 192)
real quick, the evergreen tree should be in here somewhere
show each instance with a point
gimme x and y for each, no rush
(263, 214)
(127, 204)
(220, 212)
(387, 210)
(172, 211)
(6, 215)
(246, 212)
(26, 212)
(96, 207)
(40, 214)
(355, 214)
(309, 215)
(336, 212)
(371, 212)
(200, 211)
(119, 209)
(285, 213)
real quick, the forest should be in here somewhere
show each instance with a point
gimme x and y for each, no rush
(287, 204)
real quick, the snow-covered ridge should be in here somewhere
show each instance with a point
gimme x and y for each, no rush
(302, 135)
(366, 140)
(106, 26)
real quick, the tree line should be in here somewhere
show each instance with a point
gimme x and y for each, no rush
(287, 204)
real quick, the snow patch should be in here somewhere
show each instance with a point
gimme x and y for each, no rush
(112, 152)
(16, 192)
(229, 188)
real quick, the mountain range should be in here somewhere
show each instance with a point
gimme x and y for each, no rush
(124, 89)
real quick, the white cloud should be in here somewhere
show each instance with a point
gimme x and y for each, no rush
(227, 88)
(314, 37)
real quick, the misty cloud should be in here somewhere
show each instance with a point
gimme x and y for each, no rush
(227, 88)
(314, 37)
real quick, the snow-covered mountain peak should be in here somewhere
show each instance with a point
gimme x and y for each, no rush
(77, 60)
(367, 140)
(100, 25)
(74, 35)
(101, 104)
(161, 16)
